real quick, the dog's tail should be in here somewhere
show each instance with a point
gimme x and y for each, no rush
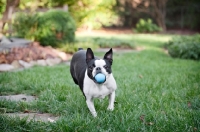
(80, 49)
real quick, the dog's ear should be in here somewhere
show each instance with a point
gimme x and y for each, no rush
(108, 56)
(89, 55)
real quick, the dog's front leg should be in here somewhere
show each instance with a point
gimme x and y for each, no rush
(90, 105)
(111, 101)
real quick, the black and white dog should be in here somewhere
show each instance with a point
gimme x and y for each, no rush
(83, 67)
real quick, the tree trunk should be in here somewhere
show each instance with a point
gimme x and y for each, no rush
(159, 12)
(7, 15)
(155, 8)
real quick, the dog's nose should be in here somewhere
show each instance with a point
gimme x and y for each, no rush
(98, 69)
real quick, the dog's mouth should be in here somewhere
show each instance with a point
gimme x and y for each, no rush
(99, 78)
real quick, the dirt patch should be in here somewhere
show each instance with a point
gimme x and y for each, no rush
(32, 52)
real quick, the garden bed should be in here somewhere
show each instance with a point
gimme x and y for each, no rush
(30, 55)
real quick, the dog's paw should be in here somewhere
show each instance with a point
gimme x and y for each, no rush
(110, 108)
(94, 114)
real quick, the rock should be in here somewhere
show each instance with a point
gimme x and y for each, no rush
(2, 58)
(25, 64)
(6, 67)
(16, 64)
(41, 62)
(67, 63)
(63, 56)
(33, 63)
(31, 54)
(20, 97)
(51, 62)
(4, 40)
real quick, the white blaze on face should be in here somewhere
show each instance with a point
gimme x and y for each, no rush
(99, 63)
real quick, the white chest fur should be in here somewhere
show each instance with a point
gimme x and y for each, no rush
(99, 90)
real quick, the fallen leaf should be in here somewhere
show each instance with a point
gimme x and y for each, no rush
(26, 111)
(140, 76)
(142, 118)
(150, 123)
(189, 104)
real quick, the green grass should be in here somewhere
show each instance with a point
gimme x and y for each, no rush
(155, 93)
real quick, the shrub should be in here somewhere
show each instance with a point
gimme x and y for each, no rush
(94, 15)
(25, 25)
(72, 48)
(187, 47)
(55, 27)
(109, 42)
(95, 43)
(146, 26)
(49, 28)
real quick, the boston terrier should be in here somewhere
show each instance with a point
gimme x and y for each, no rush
(83, 68)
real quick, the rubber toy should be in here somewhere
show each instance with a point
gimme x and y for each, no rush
(100, 78)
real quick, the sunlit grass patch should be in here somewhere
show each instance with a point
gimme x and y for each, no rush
(155, 93)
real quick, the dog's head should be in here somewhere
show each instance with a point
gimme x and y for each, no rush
(95, 65)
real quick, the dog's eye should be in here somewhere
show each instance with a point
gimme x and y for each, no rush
(106, 67)
(90, 68)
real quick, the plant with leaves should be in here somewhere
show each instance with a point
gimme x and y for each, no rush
(93, 14)
(25, 25)
(146, 26)
(186, 47)
(50, 28)
(55, 27)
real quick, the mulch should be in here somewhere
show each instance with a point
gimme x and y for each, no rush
(29, 53)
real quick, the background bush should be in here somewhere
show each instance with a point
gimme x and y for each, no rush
(187, 47)
(108, 42)
(146, 26)
(90, 14)
(55, 27)
(25, 25)
(49, 28)
(97, 42)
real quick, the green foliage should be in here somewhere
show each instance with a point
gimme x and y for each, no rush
(96, 42)
(26, 25)
(49, 28)
(92, 14)
(2, 7)
(87, 13)
(186, 47)
(146, 26)
(72, 48)
(55, 27)
(113, 42)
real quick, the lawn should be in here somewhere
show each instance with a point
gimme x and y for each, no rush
(155, 93)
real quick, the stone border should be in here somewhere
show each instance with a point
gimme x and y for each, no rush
(20, 64)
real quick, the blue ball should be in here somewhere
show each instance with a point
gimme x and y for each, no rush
(100, 78)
